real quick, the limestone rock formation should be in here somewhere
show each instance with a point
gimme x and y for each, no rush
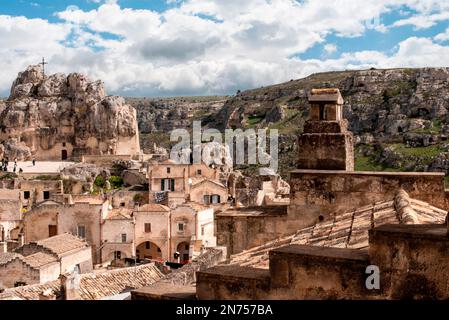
(61, 117)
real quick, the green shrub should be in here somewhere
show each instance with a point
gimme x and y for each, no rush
(116, 182)
(99, 182)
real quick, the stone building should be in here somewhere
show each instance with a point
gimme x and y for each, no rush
(322, 194)
(10, 214)
(176, 184)
(117, 235)
(345, 221)
(44, 260)
(107, 285)
(156, 232)
(50, 218)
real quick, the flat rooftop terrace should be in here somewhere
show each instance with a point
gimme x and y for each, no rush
(41, 167)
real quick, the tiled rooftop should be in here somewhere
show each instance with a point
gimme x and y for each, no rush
(62, 243)
(349, 230)
(39, 259)
(5, 257)
(119, 213)
(93, 286)
(153, 207)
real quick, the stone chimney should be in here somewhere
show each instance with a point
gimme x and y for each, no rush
(326, 143)
(47, 295)
(70, 285)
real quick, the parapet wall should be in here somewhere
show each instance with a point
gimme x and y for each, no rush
(412, 263)
(318, 194)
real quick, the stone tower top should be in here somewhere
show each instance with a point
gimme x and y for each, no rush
(326, 143)
(326, 105)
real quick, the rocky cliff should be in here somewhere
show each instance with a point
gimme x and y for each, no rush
(399, 117)
(58, 116)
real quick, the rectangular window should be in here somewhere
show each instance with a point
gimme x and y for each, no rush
(46, 195)
(26, 194)
(168, 169)
(202, 230)
(187, 247)
(123, 237)
(147, 245)
(180, 226)
(215, 198)
(168, 185)
(206, 199)
(147, 227)
(198, 172)
(82, 232)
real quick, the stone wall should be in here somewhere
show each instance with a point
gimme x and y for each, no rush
(17, 271)
(308, 272)
(67, 218)
(207, 187)
(412, 263)
(325, 151)
(251, 227)
(232, 283)
(319, 194)
(413, 260)
(81, 258)
(159, 234)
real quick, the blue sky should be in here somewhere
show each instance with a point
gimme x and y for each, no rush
(205, 47)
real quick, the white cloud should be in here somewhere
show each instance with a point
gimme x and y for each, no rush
(444, 36)
(330, 48)
(209, 46)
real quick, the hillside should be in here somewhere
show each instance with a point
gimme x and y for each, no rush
(399, 116)
(157, 117)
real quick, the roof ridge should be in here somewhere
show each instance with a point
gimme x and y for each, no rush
(404, 209)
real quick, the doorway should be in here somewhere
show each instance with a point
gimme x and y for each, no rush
(64, 154)
(52, 230)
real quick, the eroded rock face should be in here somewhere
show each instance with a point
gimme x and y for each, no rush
(59, 116)
(84, 172)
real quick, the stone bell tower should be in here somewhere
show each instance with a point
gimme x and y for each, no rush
(326, 143)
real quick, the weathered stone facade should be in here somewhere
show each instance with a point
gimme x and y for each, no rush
(326, 143)
(63, 117)
(406, 256)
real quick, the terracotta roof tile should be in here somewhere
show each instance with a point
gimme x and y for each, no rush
(94, 286)
(5, 257)
(62, 243)
(39, 259)
(349, 229)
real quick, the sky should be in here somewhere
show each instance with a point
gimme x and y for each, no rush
(216, 47)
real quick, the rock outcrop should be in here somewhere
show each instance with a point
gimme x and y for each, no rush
(61, 117)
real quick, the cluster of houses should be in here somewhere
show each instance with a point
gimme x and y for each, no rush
(169, 218)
